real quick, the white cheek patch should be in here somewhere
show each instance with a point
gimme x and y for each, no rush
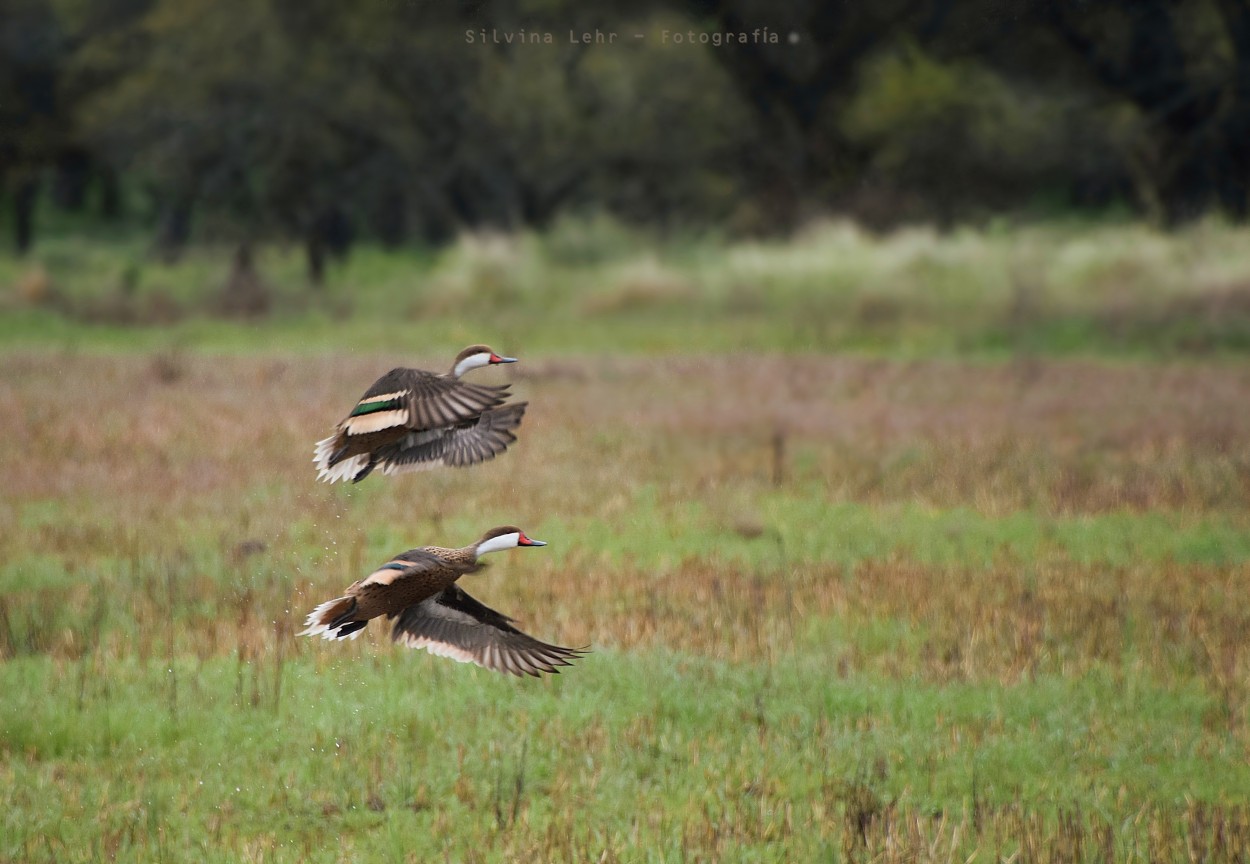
(498, 544)
(473, 361)
(376, 422)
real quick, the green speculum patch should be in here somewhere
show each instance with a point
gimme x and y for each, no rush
(373, 407)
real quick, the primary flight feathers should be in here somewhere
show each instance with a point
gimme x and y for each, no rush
(411, 420)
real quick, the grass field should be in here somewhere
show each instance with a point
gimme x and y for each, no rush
(958, 581)
(593, 287)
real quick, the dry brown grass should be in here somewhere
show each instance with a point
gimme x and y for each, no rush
(184, 482)
(173, 430)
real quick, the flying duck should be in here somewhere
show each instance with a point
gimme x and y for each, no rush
(411, 420)
(417, 588)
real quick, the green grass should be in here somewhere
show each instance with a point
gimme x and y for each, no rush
(376, 757)
(798, 526)
(913, 548)
(1061, 288)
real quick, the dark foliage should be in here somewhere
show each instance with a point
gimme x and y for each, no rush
(324, 122)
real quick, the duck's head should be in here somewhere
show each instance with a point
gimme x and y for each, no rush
(476, 356)
(505, 537)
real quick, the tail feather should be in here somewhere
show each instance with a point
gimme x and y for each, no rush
(332, 467)
(365, 471)
(333, 620)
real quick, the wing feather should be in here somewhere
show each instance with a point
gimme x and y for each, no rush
(435, 400)
(457, 446)
(453, 624)
(442, 413)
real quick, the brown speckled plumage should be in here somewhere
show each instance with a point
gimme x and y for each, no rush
(417, 588)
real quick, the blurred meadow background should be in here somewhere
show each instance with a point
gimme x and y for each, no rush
(888, 425)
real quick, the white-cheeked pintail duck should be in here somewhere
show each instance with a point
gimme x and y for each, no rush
(417, 589)
(411, 420)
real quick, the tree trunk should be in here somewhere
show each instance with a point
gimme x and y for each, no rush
(24, 198)
(69, 183)
(329, 235)
(174, 229)
(1190, 188)
(110, 194)
(315, 249)
(245, 293)
(388, 219)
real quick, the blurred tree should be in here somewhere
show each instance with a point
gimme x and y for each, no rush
(101, 31)
(32, 128)
(1185, 67)
(38, 131)
(233, 107)
(951, 139)
(798, 87)
(312, 119)
(594, 128)
(490, 130)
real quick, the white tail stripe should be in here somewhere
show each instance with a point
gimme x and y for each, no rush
(311, 622)
(323, 450)
(333, 634)
(345, 470)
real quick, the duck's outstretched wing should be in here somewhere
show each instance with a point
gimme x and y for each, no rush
(438, 400)
(459, 446)
(402, 402)
(453, 624)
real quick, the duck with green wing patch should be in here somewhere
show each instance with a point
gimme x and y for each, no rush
(411, 420)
